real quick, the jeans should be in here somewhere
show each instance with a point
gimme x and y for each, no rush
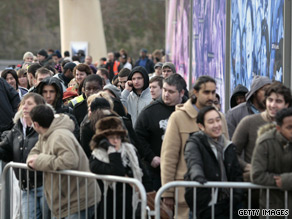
(28, 207)
(90, 214)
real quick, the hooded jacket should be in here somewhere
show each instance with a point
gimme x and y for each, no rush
(57, 149)
(234, 115)
(239, 90)
(272, 157)
(58, 103)
(134, 102)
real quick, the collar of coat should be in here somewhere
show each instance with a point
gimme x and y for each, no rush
(188, 108)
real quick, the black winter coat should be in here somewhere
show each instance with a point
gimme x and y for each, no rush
(80, 110)
(15, 147)
(202, 162)
(9, 99)
(150, 129)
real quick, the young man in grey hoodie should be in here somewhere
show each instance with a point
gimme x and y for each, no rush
(136, 94)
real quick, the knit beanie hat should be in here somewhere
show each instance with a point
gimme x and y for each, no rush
(69, 65)
(43, 52)
(158, 64)
(99, 103)
(169, 65)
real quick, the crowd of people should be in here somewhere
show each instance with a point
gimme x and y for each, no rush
(138, 119)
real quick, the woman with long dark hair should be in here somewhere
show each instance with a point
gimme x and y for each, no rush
(11, 77)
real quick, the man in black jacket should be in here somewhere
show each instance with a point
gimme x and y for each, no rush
(9, 104)
(150, 126)
(211, 157)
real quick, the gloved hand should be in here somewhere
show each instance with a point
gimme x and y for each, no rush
(201, 180)
(104, 143)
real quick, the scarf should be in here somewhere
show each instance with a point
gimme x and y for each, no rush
(219, 145)
(129, 158)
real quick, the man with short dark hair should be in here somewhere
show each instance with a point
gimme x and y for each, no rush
(92, 84)
(103, 72)
(180, 125)
(58, 149)
(155, 85)
(41, 74)
(56, 60)
(210, 157)
(151, 126)
(271, 163)
(31, 77)
(67, 56)
(123, 77)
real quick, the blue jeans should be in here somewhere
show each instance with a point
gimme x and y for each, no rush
(28, 207)
(90, 214)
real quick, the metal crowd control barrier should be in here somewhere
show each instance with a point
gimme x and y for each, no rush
(213, 186)
(135, 184)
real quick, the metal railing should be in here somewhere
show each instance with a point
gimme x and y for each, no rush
(214, 185)
(137, 188)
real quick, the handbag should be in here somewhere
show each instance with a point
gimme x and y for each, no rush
(165, 211)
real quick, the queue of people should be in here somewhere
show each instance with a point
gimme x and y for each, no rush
(139, 120)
